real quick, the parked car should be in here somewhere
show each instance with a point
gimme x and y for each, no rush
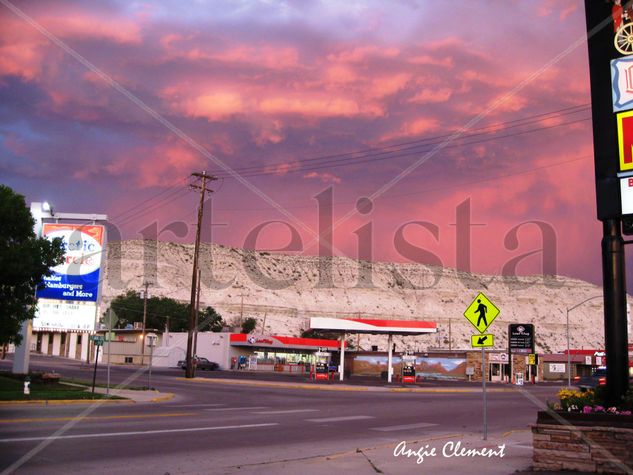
(597, 378)
(201, 363)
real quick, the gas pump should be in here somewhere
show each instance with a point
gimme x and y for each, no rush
(321, 366)
(408, 368)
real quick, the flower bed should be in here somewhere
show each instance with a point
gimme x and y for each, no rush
(594, 442)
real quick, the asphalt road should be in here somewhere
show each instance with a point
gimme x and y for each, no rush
(214, 427)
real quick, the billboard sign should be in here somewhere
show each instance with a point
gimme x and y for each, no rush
(77, 278)
(63, 315)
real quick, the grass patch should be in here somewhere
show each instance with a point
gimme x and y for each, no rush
(12, 389)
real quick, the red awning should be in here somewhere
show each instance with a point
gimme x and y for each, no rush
(374, 326)
(284, 342)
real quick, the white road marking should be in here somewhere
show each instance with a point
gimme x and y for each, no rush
(287, 411)
(237, 408)
(341, 418)
(140, 432)
(196, 405)
(404, 427)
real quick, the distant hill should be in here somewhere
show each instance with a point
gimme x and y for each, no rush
(284, 291)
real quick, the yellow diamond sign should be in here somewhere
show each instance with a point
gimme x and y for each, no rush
(481, 313)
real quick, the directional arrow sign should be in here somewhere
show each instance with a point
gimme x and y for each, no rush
(479, 341)
(481, 313)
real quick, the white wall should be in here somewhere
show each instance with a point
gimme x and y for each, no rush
(210, 345)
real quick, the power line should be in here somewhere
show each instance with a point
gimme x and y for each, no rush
(367, 156)
(386, 156)
(426, 190)
(425, 142)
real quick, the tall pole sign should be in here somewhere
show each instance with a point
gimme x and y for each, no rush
(610, 42)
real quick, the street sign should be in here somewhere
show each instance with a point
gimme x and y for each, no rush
(521, 338)
(98, 340)
(480, 341)
(481, 313)
(531, 359)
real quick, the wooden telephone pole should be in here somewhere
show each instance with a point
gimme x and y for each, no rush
(190, 373)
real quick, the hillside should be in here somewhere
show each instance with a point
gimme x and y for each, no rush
(285, 290)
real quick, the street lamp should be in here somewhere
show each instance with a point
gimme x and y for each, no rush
(568, 354)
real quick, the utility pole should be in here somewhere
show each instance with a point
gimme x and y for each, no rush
(190, 373)
(144, 323)
(450, 335)
(195, 332)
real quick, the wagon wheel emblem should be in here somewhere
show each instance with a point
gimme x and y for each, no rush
(623, 40)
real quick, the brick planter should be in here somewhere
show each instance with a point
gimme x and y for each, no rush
(600, 443)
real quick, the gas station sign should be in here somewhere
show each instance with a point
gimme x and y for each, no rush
(625, 140)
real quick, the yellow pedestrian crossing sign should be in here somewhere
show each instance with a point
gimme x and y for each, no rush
(479, 341)
(481, 313)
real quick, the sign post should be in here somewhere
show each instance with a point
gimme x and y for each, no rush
(609, 40)
(151, 341)
(98, 341)
(481, 313)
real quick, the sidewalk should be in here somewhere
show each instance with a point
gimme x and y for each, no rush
(462, 454)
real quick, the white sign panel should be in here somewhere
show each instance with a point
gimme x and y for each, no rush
(498, 358)
(62, 315)
(622, 83)
(557, 367)
(626, 192)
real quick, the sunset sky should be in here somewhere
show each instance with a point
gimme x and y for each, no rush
(426, 106)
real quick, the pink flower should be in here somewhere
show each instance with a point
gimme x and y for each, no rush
(625, 413)
(599, 408)
(587, 410)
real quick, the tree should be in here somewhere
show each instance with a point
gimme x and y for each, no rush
(128, 308)
(210, 320)
(24, 260)
(249, 325)
(322, 334)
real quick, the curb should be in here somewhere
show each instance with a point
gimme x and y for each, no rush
(270, 384)
(274, 385)
(61, 402)
(165, 397)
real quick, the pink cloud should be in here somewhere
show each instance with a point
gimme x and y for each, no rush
(324, 177)
(313, 105)
(413, 127)
(77, 24)
(214, 105)
(362, 53)
(430, 96)
(161, 165)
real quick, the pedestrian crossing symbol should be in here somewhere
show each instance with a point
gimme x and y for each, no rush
(481, 313)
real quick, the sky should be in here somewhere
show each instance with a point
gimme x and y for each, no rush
(468, 128)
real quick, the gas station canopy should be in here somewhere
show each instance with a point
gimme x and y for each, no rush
(375, 327)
